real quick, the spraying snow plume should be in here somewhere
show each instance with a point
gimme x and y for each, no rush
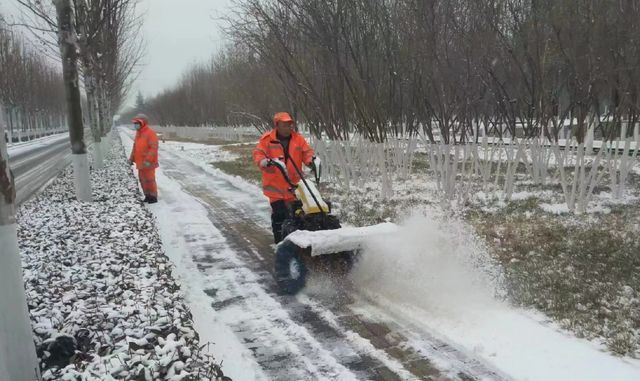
(434, 262)
(438, 275)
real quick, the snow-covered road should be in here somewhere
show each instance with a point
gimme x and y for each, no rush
(215, 228)
(37, 162)
(18, 149)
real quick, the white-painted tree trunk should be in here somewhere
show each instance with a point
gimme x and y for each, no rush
(514, 155)
(98, 155)
(81, 178)
(387, 190)
(578, 189)
(106, 145)
(18, 360)
(68, 51)
(589, 138)
(619, 168)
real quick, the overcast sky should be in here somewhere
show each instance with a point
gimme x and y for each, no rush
(178, 33)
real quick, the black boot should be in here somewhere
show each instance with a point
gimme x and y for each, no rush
(152, 199)
(146, 198)
(278, 215)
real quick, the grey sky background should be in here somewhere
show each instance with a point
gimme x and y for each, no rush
(177, 33)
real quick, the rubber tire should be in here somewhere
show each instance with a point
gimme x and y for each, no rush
(288, 251)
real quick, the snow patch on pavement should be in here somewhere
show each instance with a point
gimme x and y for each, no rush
(178, 216)
(243, 301)
(203, 155)
(238, 192)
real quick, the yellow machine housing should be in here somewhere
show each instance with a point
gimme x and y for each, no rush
(309, 206)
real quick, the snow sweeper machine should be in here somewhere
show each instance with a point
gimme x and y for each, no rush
(313, 239)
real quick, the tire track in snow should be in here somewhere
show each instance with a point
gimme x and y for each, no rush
(332, 339)
(370, 350)
(284, 349)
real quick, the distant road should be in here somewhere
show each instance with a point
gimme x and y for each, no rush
(36, 163)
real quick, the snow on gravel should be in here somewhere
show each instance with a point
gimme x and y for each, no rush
(103, 301)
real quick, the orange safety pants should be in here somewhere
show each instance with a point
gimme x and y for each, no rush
(148, 181)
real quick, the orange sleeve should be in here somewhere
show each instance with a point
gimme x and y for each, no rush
(259, 153)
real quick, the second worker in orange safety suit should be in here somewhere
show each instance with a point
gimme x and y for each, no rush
(271, 146)
(145, 156)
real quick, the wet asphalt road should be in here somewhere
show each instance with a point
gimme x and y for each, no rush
(35, 167)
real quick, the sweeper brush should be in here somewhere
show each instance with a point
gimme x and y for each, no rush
(314, 240)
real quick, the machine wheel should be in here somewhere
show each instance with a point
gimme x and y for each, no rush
(291, 272)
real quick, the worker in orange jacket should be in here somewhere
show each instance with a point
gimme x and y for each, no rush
(272, 146)
(145, 156)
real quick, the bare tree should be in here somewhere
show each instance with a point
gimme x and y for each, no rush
(67, 42)
(233, 88)
(102, 35)
(30, 90)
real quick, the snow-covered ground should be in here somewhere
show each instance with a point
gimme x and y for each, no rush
(103, 301)
(35, 164)
(431, 284)
(17, 149)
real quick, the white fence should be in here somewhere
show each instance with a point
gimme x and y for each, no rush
(490, 166)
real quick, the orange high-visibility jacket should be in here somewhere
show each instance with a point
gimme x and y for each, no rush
(274, 186)
(145, 147)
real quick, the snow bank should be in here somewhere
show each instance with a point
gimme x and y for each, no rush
(103, 301)
(345, 239)
(433, 273)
